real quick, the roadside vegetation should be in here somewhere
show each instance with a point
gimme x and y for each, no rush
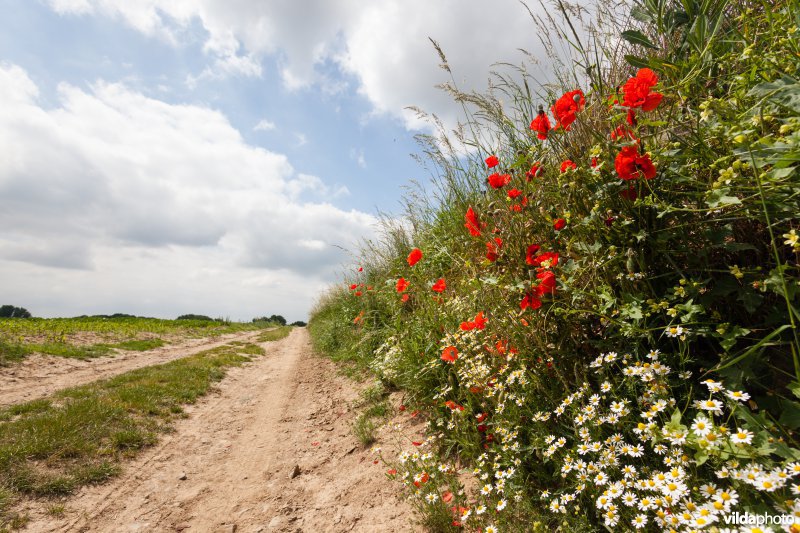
(597, 307)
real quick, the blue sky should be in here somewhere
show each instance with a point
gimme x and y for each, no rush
(216, 157)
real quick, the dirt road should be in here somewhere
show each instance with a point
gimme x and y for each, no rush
(41, 375)
(271, 450)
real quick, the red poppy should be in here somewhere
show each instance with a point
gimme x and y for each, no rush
(402, 285)
(567, 106)
(391, 472)
(481, 417)
(530, 301)
(439, 286)
(559, 224)
(447, 497)
(449, 354)
(541, 124)
(567, 165)
(472, 224)
(529, 254)
(631, 165)
(533, 172)
(478, 323)
(496, 181)
(492, 161)
(353, 287)
(404, 298)
(514, 193)
(630, 118)
(453, 406)
(547, 283)
(358, 293)
(493, 249)
(414, 257)
(594, 162)
(637, 91)
(546, 260)
(622, 133)
(361, 269)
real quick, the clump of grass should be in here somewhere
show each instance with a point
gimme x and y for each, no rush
(68, 350)
(275, 334)
(80, 435)
(137, 345)
(12, 353)
(374, 408)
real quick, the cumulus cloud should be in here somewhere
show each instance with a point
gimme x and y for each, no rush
(113, 182)
(383, 44)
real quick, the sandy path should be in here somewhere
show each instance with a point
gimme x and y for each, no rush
(227, 466)
(41, 375)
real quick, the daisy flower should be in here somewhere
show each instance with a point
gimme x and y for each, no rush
(742, 436)
(737, 395)
(640, 521)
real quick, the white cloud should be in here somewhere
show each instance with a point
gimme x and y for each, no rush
(358, 157)
(384, 44)
(264, 125)
(115, 192)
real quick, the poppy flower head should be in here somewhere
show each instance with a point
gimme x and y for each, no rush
(514, 193)
(497, 181)
(547, 283)
(492, 161)
(631, 165)
(353, 287)
(401, 285)
(493, 249)
(530, 302)
(530, 254)
(546, 260)
(566, 108)
(535, 170)
(439, 286)
(636, 91)
(414, 257)
(472, 224)
(449, 354)
(567, 164)
(559, 224)
(541, 124)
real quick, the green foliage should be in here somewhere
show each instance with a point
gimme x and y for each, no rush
(10, 311)
(670, 319)
(191, 316)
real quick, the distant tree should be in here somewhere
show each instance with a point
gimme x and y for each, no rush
(195, 317)
(299, 324)
(10, 311)
(278, 319)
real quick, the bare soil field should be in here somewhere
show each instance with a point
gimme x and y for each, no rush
(269, 450)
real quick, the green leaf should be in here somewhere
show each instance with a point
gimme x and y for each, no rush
(790, 417)
(719, 198)
(763, 343)
(730, 337)
(639, 38)
(636, 61)
(642, 15)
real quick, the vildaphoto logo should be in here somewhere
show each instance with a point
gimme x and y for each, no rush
(752, 519)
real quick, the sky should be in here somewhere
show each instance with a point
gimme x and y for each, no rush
(219, 157)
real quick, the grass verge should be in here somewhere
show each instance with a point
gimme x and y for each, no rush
(275, 334)
(79, 436)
